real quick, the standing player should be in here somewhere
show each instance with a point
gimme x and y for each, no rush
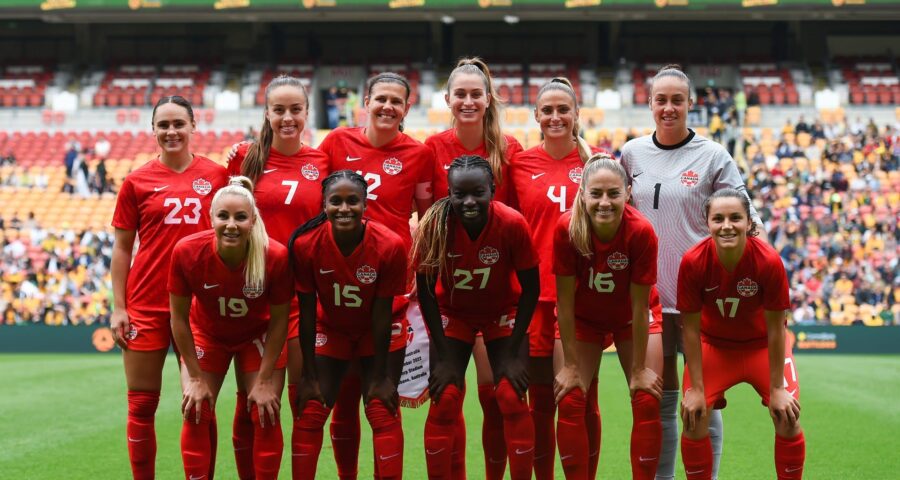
(544, 180)
(733, 292)
(162, 201)
(230, 292)
(286, 174)
(672, 172)
(353, 270)
(398, 170)
(468, 249)
(604, 258)
(475, 106)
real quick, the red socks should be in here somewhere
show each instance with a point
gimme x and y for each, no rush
(458, 458)
(267, 447)
(518, 429)
(572, 435)
(492, 439)
(242, 438)
(307, 440)
(195, 443)
(387, 435)
(592, 422)
(790, 453)
(141, 433)
(697, 458)
(646, 436)
(440, 430)
(543, 411)
(345, 428)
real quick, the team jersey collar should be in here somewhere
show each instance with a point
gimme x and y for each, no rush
(678, 145)
(458, 143)
(215, 249)
(484, 231)
(387, 146)
(169, 169)
(337, 249)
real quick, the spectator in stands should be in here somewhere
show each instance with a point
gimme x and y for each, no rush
(69, 159)
(80, 174)
(9, 159)
(99, 180)
(802, 126)
(331, 107)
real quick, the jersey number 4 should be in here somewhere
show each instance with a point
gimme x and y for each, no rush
(557, 199)
(177, 215)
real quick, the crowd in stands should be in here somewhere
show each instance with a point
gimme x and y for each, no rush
(828, 193)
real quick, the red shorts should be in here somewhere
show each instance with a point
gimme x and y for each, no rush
(215, 357)
(465, 329)
(542, 330)
(724, 368)
(337, 343)
(149, 333)
(595, 332)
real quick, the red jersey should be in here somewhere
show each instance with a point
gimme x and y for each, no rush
(732, 304)
(346, 287)
(163, 206)
(289, 191)
(543, 189)
(224, 308)
(394, 172)
(480, 277)
(446, 147)
(603, 280)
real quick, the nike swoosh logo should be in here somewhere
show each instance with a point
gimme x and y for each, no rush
(636, 174)
(435, 452)
(196, 478)
(792, 392)
(535, 177)
(388, 457)
(523, 452)
(646, 459)
(339, 438)
(693, 473)
(498, 461)
(446, 167)
(270, 170)
(711, 289)
(789, 470)
(136, 440)
(207, 286)
(352, 159)
(323, 272)
(454, 255)
(565, 457)
(159, 189)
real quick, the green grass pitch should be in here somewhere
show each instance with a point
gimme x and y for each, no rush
(63, 416)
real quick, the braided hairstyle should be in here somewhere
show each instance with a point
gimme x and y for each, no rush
(430, 242)
(321, 217)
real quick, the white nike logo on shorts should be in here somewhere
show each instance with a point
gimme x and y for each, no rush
(207, 286)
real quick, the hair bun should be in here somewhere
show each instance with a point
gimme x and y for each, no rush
(241, 181)
(672, 66)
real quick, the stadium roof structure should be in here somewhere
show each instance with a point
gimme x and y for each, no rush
(150, 11)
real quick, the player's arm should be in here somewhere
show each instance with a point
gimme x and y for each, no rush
(120, 265)
(515, 367)
(442, 371)
(308, 388)
(195, 387)
(782, 405)
(265, 393)
(568, 377)
(383, 387)
(424, 198)
(642, 378)
(694, 402)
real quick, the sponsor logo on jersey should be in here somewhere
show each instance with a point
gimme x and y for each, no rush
(202, 186)
(366, 274)
(617, 261)
(321, 339)
(747, 288)
(575, 175)
(392, 166)
(690, 178)
(489, 255)
(310, 172)
(132, 334)
(252, 292)
(200, 352)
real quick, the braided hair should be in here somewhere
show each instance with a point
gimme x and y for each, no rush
(321, 217)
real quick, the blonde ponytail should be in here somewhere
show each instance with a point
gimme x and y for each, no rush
(580, 229)
(564, 85)
(258, 243)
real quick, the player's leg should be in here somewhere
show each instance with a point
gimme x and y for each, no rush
(790, 443)
(444, 414)
(242, 429)
(268, 442)
(571, 430)
(143, 376)
(669, 404)
(196, 438)
(541, 333)
(492, 437)
(646, 429)
(294, 372)
(518, 428)
(592, 418)
(387, 429)
(310, 426)
(344, 427)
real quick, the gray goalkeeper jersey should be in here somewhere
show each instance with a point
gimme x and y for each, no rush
(669, 186)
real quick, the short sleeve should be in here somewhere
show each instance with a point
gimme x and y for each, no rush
(565, 256)
(426, 174)
(513, 147)
(644, 249)
(178, 282)
(304, 276)
(327, 145)
(280, 277)
(775, 290)
(689, 298)
(392, 278)
(234, 165)
(126, 215)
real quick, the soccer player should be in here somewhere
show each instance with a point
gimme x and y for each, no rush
(475, 106)
(230, 292)
(162, 201)
(544, 180)
(477, 271)
(352, 270)
(672, 172)
(399, 171)
(604, 258)
(732, 295)
(286, 175)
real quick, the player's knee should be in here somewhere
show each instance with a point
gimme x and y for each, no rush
(510, 403)
(446, 410)
(142, 404)
(644, 406)
(313, 416)
(573, 405)
(379, 416)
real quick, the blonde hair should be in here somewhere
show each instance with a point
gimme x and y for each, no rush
(564, 85)
(258, 154)
(580, 229)
(255, 271)
(494, 141)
